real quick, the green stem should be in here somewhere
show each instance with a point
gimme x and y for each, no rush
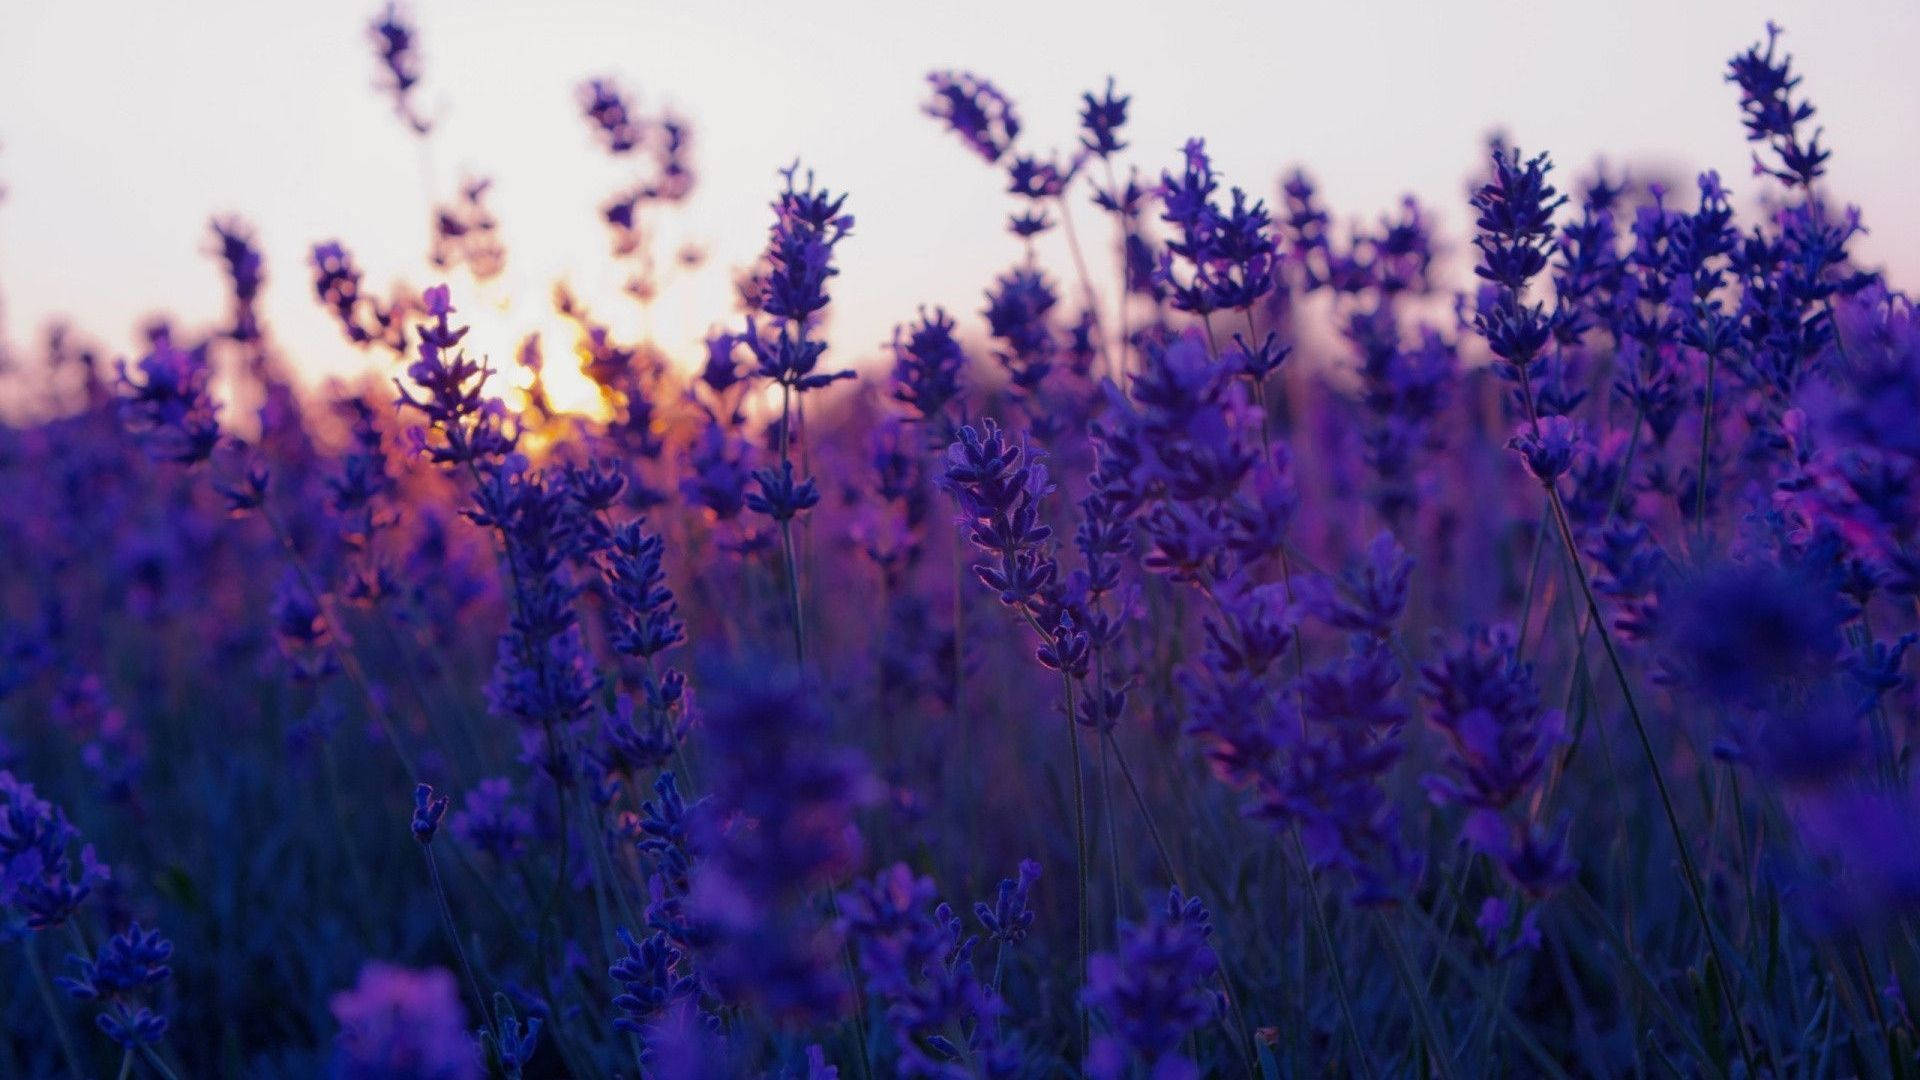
(159, 1063)
(1533, 577)
(1335, 971)
(1692, 873)
(1080, 842)
(349, 661)
(1429, 1032)
(1466, 970)
(453, 937)
(1086, 279)
(30, 946)
(1113, 842)
(786, 531)
(1706, 441)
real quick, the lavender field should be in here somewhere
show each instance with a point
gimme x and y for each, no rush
(1270, 641)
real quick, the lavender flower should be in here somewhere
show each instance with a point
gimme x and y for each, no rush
(40, 887)
(393, 41)
(241, 257)
(927, 364)
(917, 959)
(1515, 221)
(1230, 254)
(1101, 119)
(975, 110)
(780, 825)
(1549, 451)
(999, 487)
(428, 809)
(1009, 919)
(129, 968)
(653, 980)
(1154, 992)
(491, 820)
(1483, 699)
(613, 120)
(1016, 313)
(1772, 115)
(469, 428)
(397, 1023)
(168, 403)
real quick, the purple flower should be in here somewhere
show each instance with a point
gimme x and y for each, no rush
(619, 129)
(717, 472)
(653, 978)
(1483, 699)
(398, 1024)
(927, 363)
(1535, 857)
(1515, 221)
(781, 497)
(125, 972)
(1370, 596)
(1101, 119)
(916, 958)
(1230, 255)
(393, 41)
(428, 809)
(1017, 312)
(999, 486)
(1743, 632)
(468, 428)
(1154, 992)
(241, 258)
(1773, 116)
(643, 611)
(491, 820)
(1550, 446)
(808, 224)
(1009, 919)
(779, 826)
(975, 110)
(168, 402)
(39, 885)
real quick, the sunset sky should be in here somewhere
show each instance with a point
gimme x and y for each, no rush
(125, 127)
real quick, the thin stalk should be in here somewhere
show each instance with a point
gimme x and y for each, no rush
(1691, 871)
(853, 980)
(1241, 1040)
(1626, 466)
(1153, 830)
(453, 937)
(1335, 971)
(1080, 840)
(1120, 301)
(1533, 576)
(1706, 442)
(786, 531)
(159, 1063)
(30, 946)
(1086, 279)
(1429, 1032)
(1477, 980)
(1694, 890)
(348, 660)
(1106, 811)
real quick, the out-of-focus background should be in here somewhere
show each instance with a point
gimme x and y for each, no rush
(125, 126)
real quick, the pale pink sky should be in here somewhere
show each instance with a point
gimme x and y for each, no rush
(125, 126)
